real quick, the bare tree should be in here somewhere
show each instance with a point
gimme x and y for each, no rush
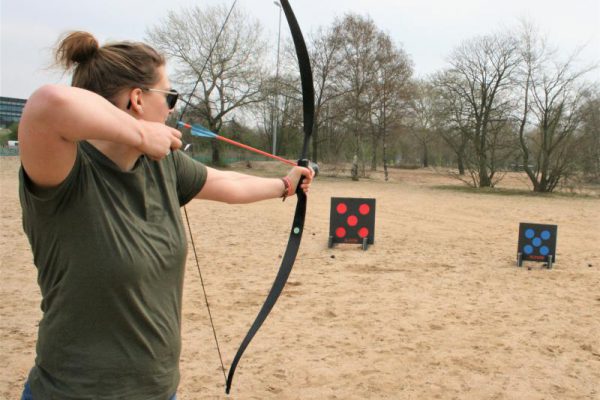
(422, 117)
(394, 69)
(365, 87)
(359, 37)
(233, 73)
(552, 100)
(286, 114)
(452, 116)
(589, 143)
(482, 69)
(326, 60)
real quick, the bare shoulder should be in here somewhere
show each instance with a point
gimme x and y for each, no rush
(45, 155)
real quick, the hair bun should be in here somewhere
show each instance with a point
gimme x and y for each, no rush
(76, 48)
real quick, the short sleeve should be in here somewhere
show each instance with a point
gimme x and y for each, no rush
(46, 201)
(191, 176)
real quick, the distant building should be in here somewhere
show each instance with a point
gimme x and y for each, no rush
(10, 110)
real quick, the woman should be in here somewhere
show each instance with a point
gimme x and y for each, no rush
(101, 184)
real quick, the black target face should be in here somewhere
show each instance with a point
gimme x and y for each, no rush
(352, 220)
(537, 242)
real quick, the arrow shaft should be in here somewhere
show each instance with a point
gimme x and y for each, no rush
(243, 146)
(264, 153)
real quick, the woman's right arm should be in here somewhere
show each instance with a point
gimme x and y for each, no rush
(56, 117)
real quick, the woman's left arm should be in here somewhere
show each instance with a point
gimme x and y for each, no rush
(236, 188)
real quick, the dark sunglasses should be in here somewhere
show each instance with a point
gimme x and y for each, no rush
(172, 96)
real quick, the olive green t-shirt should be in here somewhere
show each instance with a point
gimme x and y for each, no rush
(110, 250)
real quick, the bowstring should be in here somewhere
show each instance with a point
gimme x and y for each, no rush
(187, 103)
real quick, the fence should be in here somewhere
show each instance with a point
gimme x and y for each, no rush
(9, 151)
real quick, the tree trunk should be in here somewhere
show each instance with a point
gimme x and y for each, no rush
(484, 178)
(543, 185)
(354, 170)
(385, 169)
(374, 157)
(314, 140)
(216, 155)
(425, 155)
(460, 163)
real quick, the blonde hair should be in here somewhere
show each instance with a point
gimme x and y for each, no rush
(108, 69)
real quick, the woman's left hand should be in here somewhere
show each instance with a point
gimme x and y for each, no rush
(294, 176)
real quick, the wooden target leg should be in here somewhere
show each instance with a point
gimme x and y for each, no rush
(550, 258)
(365, 243)
(519, 259)
(330, 242)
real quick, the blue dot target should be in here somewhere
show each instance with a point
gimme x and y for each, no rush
(537, 242)
(352, 220)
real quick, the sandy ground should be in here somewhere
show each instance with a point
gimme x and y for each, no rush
(436, 309)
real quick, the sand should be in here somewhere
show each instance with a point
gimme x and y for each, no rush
(435, 309)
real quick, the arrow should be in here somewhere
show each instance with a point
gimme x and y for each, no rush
(200, 131)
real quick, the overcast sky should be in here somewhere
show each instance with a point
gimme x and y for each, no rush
(427, 30)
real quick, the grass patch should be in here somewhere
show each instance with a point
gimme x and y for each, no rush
(405, 166)
(511, 192)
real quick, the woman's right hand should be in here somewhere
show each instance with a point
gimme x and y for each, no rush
(158, 139)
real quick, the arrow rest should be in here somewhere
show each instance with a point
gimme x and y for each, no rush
(315, 167)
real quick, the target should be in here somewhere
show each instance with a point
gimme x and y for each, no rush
(352, 220)
(537, 242)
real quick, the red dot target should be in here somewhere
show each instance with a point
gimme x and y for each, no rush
(352, 220)
(341, 208)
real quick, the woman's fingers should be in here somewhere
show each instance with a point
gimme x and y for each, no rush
(297, 173)
(159, 139)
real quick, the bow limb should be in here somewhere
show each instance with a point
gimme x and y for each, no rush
(295, 237)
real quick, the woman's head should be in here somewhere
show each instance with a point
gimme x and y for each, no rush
(110, 69)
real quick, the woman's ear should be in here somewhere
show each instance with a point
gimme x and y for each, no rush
(135, 101)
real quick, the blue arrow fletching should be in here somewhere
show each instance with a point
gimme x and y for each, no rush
(203, 133)
(199, 130)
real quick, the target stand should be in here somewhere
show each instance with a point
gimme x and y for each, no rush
(352, 220)
(537, 242)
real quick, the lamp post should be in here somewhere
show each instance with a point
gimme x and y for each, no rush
(276, 117)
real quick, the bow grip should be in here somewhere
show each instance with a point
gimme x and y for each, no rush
(306, 163)
(301, 163)
(311, 164)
